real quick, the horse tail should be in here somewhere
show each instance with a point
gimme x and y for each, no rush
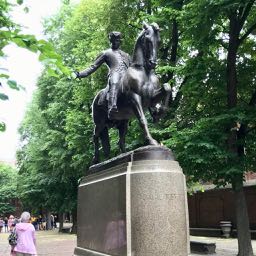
(100, 98)
(104, 137)
(99, 104)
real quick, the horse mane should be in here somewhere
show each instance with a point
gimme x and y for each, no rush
(155, 27)
(137, 58)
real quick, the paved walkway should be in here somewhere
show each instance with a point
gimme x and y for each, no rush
(49, 243)
(224, 247)
(52, 243)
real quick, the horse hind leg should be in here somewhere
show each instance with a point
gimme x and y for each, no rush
(104, 137)
(96, 157)
(122, 128)
(100, 132)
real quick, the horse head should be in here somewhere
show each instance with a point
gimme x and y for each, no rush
(145, 51)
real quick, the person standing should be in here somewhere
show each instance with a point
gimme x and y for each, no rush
(11, 222)
(6, 224)
(34, 222)
(1, 224)
(26, 243)
(40, 222)
(117, 62)
(52, 221)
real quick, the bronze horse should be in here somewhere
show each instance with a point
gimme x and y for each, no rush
(139, 89)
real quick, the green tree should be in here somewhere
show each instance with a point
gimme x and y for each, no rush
(8, 189)
(10, 32)
(57, 130)
(213, 132)
(48, 180)
(208, 57)
(205, 44)
(59, 136)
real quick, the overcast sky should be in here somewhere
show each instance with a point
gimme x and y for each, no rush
(23, 67)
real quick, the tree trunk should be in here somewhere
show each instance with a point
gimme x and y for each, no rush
(231, 62)
(173, 48)
(48, 221)
(243, 231)
(242, 219)
(149, 7)
(61, 219)
(170, 52)
(74, 217)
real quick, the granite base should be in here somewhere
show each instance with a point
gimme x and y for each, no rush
(134, 205)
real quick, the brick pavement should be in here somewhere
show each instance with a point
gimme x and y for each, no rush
(49, 243)
(52, 243)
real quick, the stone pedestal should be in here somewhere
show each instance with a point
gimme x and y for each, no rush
(134, 205)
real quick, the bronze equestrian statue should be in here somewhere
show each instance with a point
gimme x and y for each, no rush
(138, 89)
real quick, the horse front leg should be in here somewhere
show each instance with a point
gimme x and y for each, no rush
(160, 102)
(138, 110)
(164, 93)
(168, 93)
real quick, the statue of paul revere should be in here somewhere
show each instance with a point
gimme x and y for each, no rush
(117, 62)
(132, 88)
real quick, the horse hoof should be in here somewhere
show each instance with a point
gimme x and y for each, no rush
(95, 160)
(152, 142)
(167, 87)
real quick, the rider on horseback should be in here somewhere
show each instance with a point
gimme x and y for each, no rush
(117, 62)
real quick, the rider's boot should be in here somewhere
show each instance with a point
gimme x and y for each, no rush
(112, 108)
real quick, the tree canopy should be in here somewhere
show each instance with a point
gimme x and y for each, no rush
(8, 189)
(11, 33)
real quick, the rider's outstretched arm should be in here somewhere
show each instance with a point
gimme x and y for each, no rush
(98, 62)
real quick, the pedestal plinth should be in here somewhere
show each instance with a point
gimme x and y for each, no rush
(134, 205)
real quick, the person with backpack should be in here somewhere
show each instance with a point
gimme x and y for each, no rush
(11, 222)
(26, 240)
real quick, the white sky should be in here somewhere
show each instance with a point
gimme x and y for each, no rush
(24, 68)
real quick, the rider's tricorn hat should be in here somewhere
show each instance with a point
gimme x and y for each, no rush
(114, 35)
